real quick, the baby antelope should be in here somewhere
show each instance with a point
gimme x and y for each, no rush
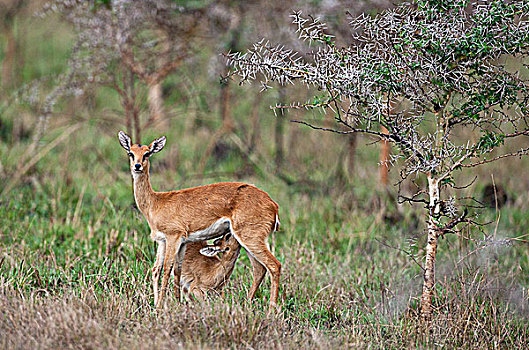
(203, 270)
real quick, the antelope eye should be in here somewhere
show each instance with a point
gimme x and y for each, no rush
(146, 155)
(130, 154)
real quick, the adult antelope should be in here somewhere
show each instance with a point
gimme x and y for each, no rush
(201, 213)
(203, 270)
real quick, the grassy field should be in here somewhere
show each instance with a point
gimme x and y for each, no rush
(75, 256)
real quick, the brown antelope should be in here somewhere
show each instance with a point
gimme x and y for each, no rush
(202, 213)
(203, 270)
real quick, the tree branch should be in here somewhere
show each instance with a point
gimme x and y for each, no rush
(522, 152)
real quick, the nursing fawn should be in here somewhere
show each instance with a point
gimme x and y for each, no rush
(201, 213)
(204, 271)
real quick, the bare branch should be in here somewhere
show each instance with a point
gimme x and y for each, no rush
(522, 152)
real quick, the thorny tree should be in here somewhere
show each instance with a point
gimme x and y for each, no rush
(235, 24)
(444, 64)
(124, 45)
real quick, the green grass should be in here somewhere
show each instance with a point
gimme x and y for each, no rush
(75, 257)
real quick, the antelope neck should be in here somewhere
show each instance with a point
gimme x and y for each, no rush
(143, 192)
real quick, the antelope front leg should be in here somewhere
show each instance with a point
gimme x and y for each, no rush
(172, 246)
(156, 269)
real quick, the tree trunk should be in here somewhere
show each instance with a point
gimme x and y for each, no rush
(8, 65)
(155, 99)
(351, 154)
(128, 119)
(226, 127)
(383, 158)
(255, 122)
(137, 126)
(279, 130)
(228, 124)
(431, 248)
(225, 115)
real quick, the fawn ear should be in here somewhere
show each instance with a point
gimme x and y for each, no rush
(210, 251)
(124, 140)
(219, 240)
(157, 145)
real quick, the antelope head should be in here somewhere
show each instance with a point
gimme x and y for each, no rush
(139, 154)
(221, 245)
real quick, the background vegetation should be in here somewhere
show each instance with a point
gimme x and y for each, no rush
(75, 255)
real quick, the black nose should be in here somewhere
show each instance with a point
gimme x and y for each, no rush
(137, 166)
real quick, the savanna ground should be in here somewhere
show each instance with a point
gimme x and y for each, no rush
(75, 256)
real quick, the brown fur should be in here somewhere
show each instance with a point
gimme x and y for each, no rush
(201, 274)
(177, 214)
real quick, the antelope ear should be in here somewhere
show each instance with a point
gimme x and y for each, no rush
(210, 251)
(124, 140)
(219, 240)
(157, 145)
